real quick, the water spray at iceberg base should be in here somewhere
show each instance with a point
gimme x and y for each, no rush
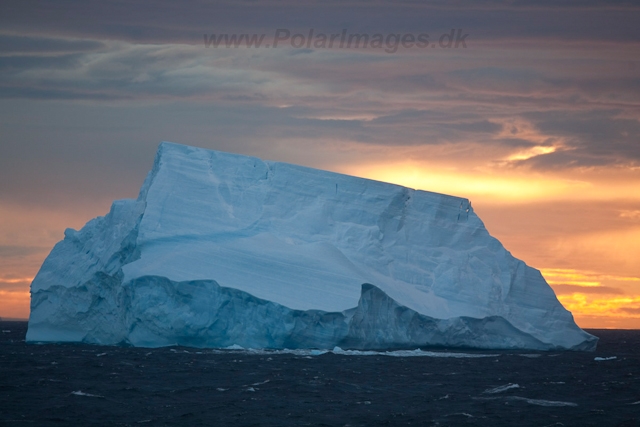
(222, 249)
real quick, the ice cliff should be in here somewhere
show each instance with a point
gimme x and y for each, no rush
(223, 249)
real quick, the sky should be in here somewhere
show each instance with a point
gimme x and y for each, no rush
(529, 109)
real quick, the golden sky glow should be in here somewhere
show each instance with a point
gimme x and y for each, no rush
(505, 187)
(609, 300)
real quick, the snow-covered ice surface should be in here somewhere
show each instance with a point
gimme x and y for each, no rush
(222, 249)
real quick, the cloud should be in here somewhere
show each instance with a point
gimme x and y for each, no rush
(28, 44)
(19, 63)
(630, 214)
(169, 22)
(593, 137)
(408, 105)
(21, 92)
(630, 310)
(572, 289)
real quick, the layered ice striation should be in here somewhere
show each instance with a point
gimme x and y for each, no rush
(222, 249)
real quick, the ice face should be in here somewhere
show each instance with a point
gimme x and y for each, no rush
(223, 249)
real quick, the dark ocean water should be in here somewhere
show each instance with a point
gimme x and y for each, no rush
(65, 384)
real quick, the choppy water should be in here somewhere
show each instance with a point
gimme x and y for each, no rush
(91, 385)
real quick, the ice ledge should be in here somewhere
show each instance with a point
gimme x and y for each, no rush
(154, 311)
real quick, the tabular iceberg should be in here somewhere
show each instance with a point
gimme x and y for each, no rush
(223, 249)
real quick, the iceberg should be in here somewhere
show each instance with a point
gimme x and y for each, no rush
(225, 250)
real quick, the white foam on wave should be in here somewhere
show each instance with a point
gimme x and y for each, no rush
(81, 393)
(538, 402)
(541, 402)
(501, 388)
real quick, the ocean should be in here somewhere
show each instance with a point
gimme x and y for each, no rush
(78, 384)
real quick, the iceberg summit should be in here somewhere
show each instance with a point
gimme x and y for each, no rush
(222, 249)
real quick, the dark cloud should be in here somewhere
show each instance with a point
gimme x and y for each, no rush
(490, 75)
(56, 94)
(592, 138)
(25, 44)
(569, 159)
(483, 126)
(20, 63)
(516, 142)
(459, 120)
(572, 289)
(184, 22)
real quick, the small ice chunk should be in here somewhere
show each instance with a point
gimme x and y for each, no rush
(234, 347)
(600, 359)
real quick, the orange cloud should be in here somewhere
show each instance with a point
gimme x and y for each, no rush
(592, 302)
(20, 280)
(617, 307)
